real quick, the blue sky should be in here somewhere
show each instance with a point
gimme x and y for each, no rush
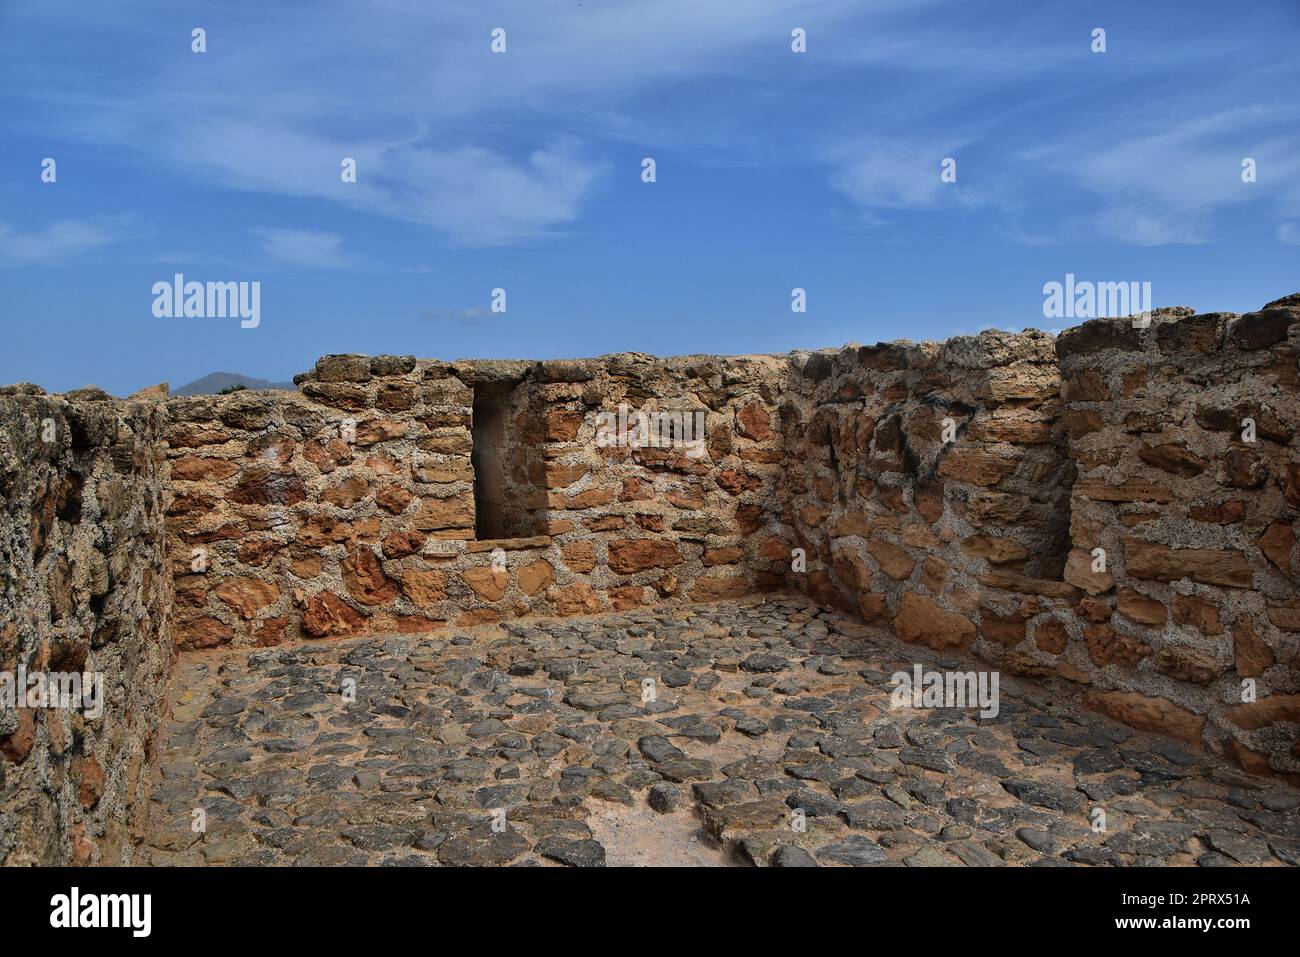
(522, 171)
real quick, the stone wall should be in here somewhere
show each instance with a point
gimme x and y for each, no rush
(350, 507)
(983, 538)
(930, 485)
(1079, 508)
(1198, 600)
(86, 590)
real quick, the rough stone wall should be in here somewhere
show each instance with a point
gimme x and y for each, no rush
(985, 542)
(349, 508)
(929, 484)
(86, 589)
(1197, 524)
(955, 492)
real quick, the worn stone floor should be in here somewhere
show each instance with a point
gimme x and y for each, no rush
(530, 743)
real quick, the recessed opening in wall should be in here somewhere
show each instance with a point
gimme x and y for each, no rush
(490, 400)
(504, 449)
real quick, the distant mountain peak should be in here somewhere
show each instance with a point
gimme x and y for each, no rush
(214, 382)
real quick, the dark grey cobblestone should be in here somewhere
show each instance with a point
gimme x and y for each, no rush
(769, 740)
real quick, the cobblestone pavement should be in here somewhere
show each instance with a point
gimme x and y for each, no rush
(759, 708)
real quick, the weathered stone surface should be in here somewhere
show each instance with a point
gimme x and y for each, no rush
(1050, 636)
(1108, 646)
(579, 557)
(1252, 656)
(365, 578)
(1277, 543)
(404, 542)
(1265, 711)
(89, 587)
(1142, 609)
(576, 599)
(1198, 613)
(921, 620)
(719, 587)
(488, 583)
(1213, 566)
(634, 555)
(1008, 630)
(260, 485)
(247, 596)
(536, 577)
(997, 550)
(1172, 457)
(976, 466)
(440, 513)
(1098, 335)
(482, 846)
(343, 368)
(1133, 490)
(1079, 572)
(1188, 664)
(199, 469)
(347, 493)
(1259, 330)
(203, 633)
(752, 421)
(894, 561)
(1149, 713)
(424, 587)
(329, 615)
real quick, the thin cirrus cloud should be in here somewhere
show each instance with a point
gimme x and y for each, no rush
(1164, 184)
(58, 242)
(492, 150)
(885, 176)
(302, 247)
(474, 196)
(419, 101)
(415, 98)
(480, 198)
(1167, 186)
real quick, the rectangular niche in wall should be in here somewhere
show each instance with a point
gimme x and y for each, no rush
(505, 444)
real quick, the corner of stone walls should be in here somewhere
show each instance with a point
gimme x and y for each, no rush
(954, 491)
(957, 492)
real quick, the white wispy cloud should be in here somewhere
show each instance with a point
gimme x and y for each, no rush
(58, 242)
(418, 99)
(477, 197)
(486, 150)
(302, 247)
(1164, 187)
(492, 150)
(884, 175)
